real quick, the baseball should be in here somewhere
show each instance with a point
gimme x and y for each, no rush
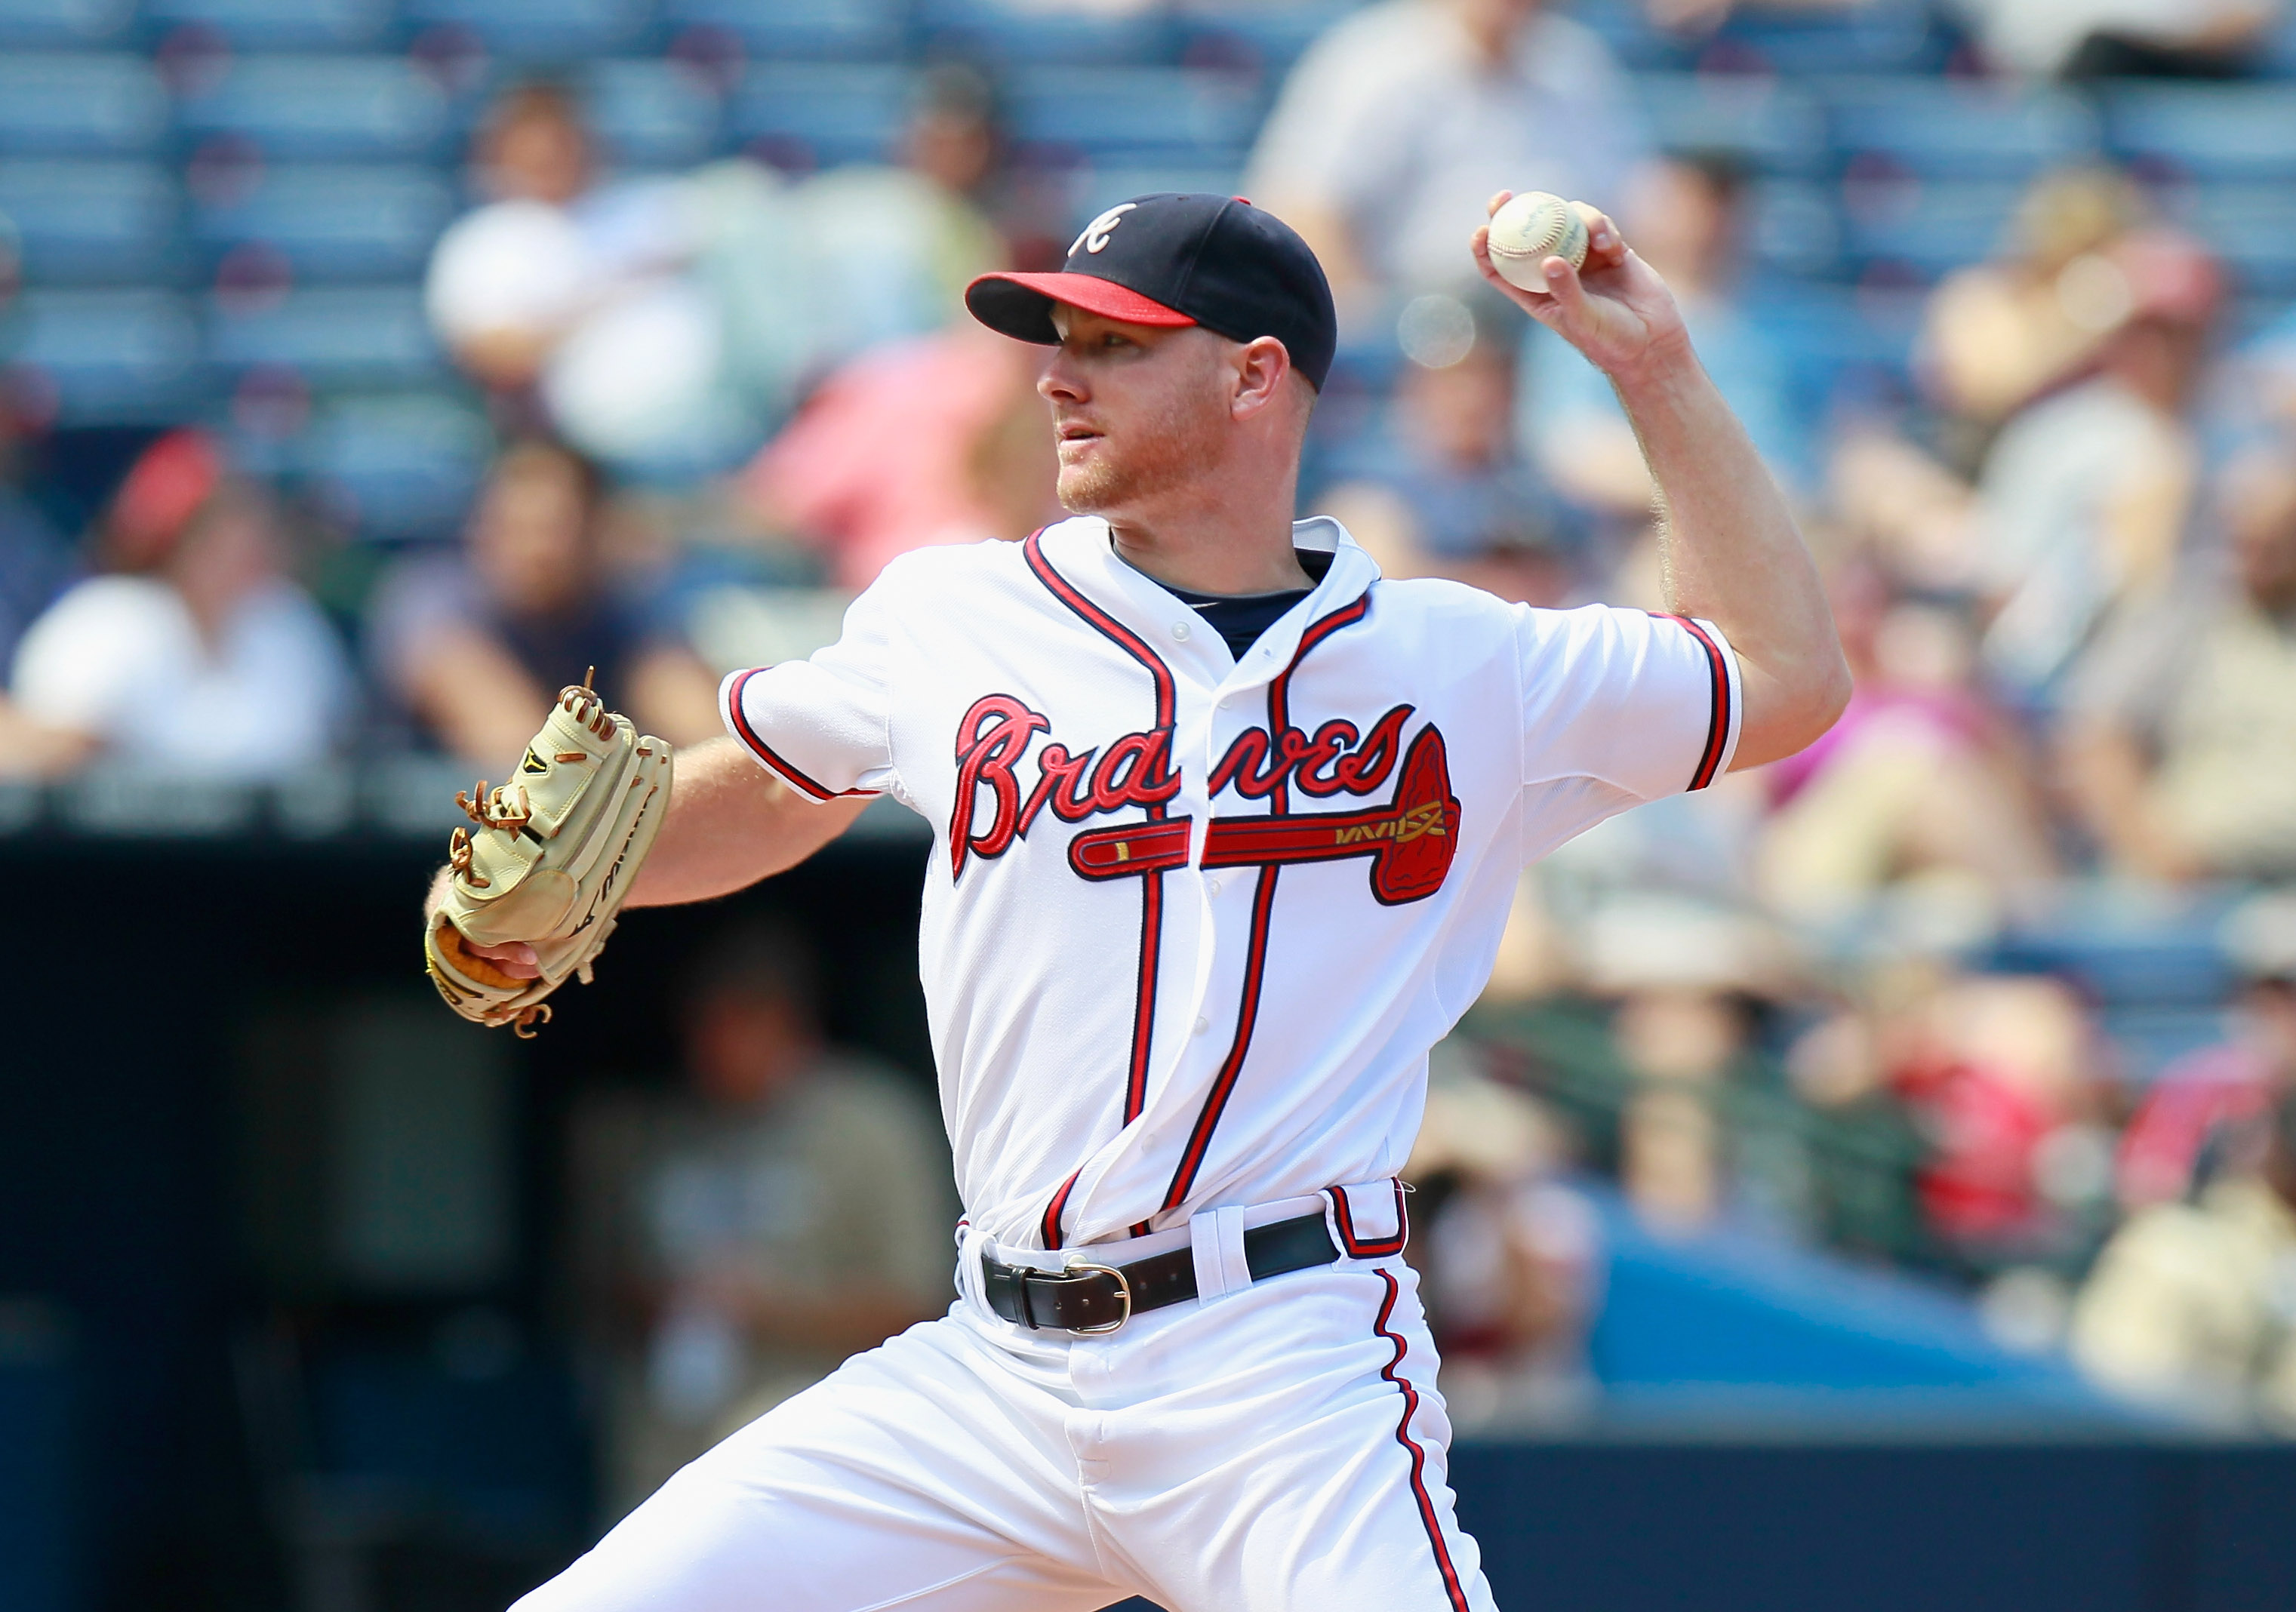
(1529, 230)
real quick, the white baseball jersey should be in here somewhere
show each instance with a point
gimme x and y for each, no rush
(1192, 924)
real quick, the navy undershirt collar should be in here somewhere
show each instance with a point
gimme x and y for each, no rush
(1240, 618)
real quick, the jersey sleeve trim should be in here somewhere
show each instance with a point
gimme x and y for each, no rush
(1722, 724)
(737, 723)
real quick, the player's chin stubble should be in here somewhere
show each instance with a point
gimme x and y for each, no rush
(1140, 461)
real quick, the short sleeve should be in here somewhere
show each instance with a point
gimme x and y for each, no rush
(1643, 705)
(822, 724)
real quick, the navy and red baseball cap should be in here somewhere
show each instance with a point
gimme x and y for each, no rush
(1170, 259)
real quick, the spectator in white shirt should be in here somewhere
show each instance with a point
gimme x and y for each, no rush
(1396, 128)
(192, 652)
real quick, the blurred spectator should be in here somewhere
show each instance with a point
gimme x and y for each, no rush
(1999, 1071)
(1996, 335)
(1683, 216)
(878, 285)
(792, 1209)
(658, 323)
(937, 441)
(1509, 1253)
(2123, 39)
(2188, 1304)
(475, 646)
(2199, 1103)
(1444, 493)
(1921, 788)
(192, 651)
(2180, 746)
(1396, 128)
(2085, 495)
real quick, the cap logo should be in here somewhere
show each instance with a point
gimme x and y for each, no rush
(1095, 234)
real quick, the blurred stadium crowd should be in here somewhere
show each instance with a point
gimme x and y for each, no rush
(374, 366)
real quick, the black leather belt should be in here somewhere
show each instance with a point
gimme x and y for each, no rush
(1089, 1298)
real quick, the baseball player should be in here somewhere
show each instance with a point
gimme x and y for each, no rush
(1225, 829)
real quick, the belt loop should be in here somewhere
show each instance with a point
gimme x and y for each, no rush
(971, 1244)
(1216, 1240)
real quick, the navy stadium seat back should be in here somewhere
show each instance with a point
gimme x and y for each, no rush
(338, 221)
(1266, 34)
(75, 103)
(266, 25)
(394, 466)
(333, 336)
(64, 24)
(1793, 227)
(1761, 122)
(1028, 34)
(836, 113)
(2216, 131)
(124, 356)
(1200, 114)
(1945, 129)
(317, 108)
(1098, 186)
(2252, 227)
(84, 221)
(548, 31)
(1929, 226)
(1875, 36)
(650, 113)
(806, 30)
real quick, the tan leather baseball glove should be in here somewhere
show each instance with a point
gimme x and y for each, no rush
(549, 862)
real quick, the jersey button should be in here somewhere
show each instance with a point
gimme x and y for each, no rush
(1202, 1025)
(1180, 631)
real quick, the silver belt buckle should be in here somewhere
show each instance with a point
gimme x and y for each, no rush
(1081, 1267)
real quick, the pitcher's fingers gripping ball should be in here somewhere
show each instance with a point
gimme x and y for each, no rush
(548, 862)
(1532, 227)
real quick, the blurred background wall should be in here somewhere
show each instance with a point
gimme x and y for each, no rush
(1870, 1178)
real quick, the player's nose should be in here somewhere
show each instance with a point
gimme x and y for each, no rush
(1062, 380)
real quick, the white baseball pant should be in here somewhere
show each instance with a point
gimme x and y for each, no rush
(1279, 1448)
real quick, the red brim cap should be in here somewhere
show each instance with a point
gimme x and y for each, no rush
(1020, 305)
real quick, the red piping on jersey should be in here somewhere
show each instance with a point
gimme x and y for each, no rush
(1151, 888)
(1356, 1248)
(766, 753)
(1427, 1517)
(1718, 733)
(1263, 901)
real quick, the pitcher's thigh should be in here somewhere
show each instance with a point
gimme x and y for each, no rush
(905, 1479)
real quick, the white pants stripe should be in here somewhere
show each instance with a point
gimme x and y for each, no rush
(1283, 1450)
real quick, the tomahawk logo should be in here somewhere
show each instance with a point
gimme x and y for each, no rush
(1094, 237)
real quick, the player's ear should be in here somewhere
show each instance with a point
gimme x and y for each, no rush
(1261, 365)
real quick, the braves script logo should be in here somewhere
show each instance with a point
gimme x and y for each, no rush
(1094, 237)
(1411, 839)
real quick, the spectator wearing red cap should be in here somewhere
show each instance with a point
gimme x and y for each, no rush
(192, 651)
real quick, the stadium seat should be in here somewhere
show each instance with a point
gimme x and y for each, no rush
(650, 113)
(1829, 334)
(1099, 186)
(551, 32)
(79, 104)
(63, 24)
(1195, 115)
(2254, 228)
(1874, 37)
(1793, 228)
(812, 31)
(1266, 34)
(394, 466)
(1026, 35)
(113, 356)
(1940, 128)
(1760, 121)
(334, 220)
(332, 336)
(2216, 131)
(323, 107)
(279, 24)
(827, 115)
(1929, 226)
(93, 222)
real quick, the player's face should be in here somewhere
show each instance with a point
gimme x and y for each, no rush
(1137, 410)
